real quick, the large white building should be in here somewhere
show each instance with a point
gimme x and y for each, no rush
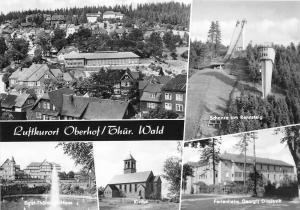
(41, 170)
(231, 169)
(92, 17)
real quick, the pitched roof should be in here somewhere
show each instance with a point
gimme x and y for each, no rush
(106, 109)
(131, 177)
(56, 97)
(101, 55)
(153, 88)
(146, 96)
(239, 158)
(129, 157)
(176, 84)
(14, 100)
(31, 74)
(157, 178)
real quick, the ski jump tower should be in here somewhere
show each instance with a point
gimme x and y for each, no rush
(266, 57)
(237, 42)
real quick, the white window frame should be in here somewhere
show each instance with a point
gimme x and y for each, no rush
(179, 97)
(179, 107)
(168, 96)
(168, 106)
(151, 105)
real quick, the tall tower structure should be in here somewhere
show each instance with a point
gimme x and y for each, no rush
(266, 57)
(129, 165)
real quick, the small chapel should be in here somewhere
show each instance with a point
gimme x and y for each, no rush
(133, 184)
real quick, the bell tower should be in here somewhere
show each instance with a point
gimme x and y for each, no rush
(129, 165)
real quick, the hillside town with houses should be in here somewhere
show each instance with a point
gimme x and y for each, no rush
(92, 63)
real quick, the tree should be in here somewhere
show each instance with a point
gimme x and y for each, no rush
(242, 146)
(44, 41)
(187, 171)
(18, 50)
(292, 139)
(136, 35)
(214, 37)
(210, 154)
(160, 113)
(81, 153)
(59, 40)
(170, 41)
(217, 40)
(172, 173)
(7, 116)
(3, 46)
(155, 44)
(71, 175)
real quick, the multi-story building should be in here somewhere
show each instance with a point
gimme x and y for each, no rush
(9, 170)
(134, 184)
(173, 95)
(231, 169)
(112, 15)
(41, 170)
(34, 78)
(101, 59)
(150, 97)
(92, 17)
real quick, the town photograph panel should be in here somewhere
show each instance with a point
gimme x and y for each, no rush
(243, 67)
(252, 170)
(94, 60)
(138, 175)
(47, 176)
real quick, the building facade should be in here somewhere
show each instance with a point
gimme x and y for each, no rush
(41, 170)
(9, 170)
(102, 59)
(231, 169)
(133, 184)
(173, 95)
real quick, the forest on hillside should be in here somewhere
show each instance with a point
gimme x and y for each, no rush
(165, 13)
(276, 110)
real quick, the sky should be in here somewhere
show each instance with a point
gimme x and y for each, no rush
(13, 5)
(268, 145)
(149, 156)
(267, 21)
(26, 152)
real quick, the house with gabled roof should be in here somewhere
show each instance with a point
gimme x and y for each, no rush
(150, 96)
(34, 78)
(133, 184)
(16, 104)
(9, 170)
(64, 104)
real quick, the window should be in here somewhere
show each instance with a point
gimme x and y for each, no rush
(168, 106)
(179, 97)
(125, 188)
(129, 187)
(151, 105)
(152, 95)
(135, 187)
(179, 107)
(45, 105)
(38, 115)
(168, 96)
(48, 105)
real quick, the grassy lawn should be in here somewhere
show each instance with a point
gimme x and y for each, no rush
(112, 205)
